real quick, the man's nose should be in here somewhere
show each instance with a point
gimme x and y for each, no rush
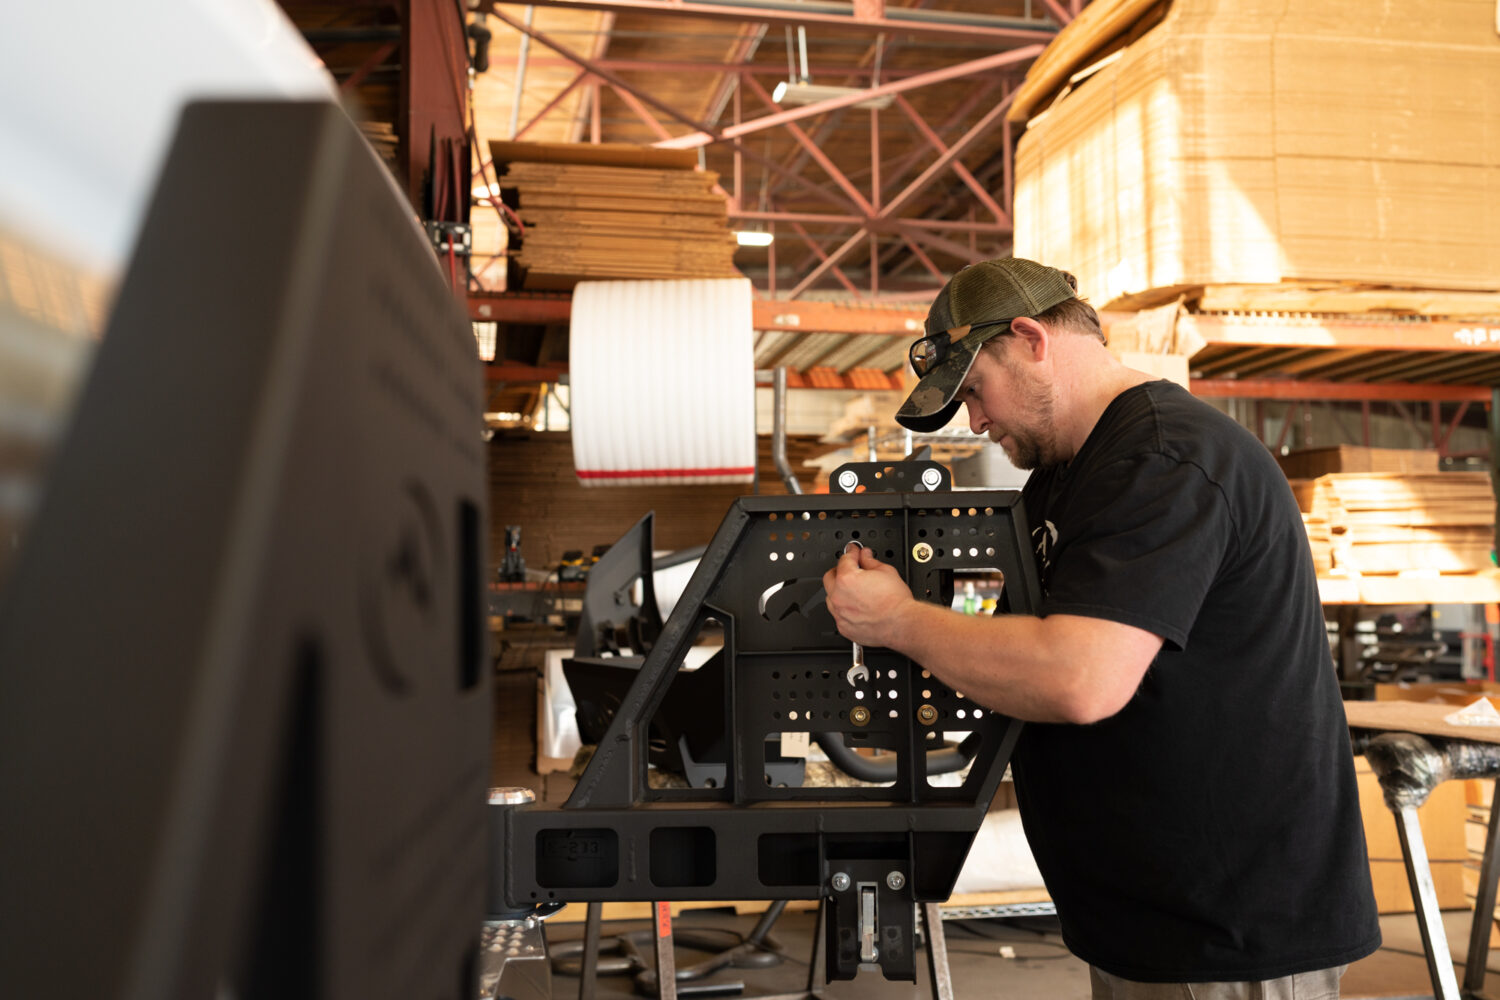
(978, 422)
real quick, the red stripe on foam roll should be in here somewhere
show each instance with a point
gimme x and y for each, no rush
(660, 473)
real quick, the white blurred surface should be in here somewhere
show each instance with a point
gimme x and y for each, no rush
(92, 92)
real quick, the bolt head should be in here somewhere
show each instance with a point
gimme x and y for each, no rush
(848, 479)
(840, 881)
(927, 715)
(859, 715)
(931, 477)
(896, 881)
(921, 552)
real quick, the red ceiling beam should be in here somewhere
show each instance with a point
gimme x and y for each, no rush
(592, 66)
(530, 310)
(816, 70)
(369, 66)
(875, 222)
(767, 314)
(1057, 10)
(937, 242)
(634, 103)
(874, 55)
(890, 209)
(703, 138)
(828, 262)
(819, 157)
(432, 102)
(843, 278)
(512, 371)
(980, 194)
(982, 28)
(976, 131)
(1294, 389)
(925, 260)
(557, 98)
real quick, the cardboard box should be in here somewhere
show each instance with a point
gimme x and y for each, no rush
(1393, 891)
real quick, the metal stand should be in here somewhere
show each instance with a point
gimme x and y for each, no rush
(1484, 903)
(938, 973)
(1409, 767)
(589, 973)
(666, 962)
(1429, 917)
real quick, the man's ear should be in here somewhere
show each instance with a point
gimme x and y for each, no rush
(1035, 338)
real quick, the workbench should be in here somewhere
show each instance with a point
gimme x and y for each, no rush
(1412, 749)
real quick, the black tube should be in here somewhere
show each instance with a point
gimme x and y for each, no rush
(339, 35)
(941, 761)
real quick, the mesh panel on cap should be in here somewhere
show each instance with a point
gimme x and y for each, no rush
(940, 313)
(994, 290)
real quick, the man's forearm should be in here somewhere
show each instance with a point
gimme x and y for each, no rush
(1058, 669)
(999, 662)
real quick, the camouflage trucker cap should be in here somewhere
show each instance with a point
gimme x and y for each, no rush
(983, 298)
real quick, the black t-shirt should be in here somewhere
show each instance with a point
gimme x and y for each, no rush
(1209, 831)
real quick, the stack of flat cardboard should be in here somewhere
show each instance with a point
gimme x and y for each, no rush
(1320, 539)
(1227, 142)
(610, 211)
(1309, 463)
(1394, 523)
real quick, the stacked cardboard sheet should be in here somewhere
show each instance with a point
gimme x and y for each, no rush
(1320, 539)
(1394, 523)
(593, 212)
(1309, 463)
(1224, 142)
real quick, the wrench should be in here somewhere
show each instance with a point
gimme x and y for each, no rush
(858, 672)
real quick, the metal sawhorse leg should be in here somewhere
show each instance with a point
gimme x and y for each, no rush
(1409, 767)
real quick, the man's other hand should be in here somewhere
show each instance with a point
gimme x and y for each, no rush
(867, 598)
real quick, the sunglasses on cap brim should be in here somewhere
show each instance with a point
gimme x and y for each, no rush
(929, 352)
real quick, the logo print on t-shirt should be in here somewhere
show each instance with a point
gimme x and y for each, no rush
(1044, 540)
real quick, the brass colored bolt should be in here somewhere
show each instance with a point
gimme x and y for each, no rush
(927, 715)
(921, 552)
(859, 715)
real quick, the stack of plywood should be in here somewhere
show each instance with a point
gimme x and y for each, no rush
(1232, 142)
(1393, 523)
(612, 211)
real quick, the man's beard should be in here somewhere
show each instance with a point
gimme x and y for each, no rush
(1031, 446)
(1025, 451)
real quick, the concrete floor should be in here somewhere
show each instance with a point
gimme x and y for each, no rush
(990, 959)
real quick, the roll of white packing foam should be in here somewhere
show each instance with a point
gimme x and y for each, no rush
(662, 380)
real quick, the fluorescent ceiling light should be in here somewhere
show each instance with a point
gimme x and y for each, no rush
(787, 92)
(753, 238)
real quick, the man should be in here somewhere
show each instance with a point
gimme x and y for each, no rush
(1186, 785)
